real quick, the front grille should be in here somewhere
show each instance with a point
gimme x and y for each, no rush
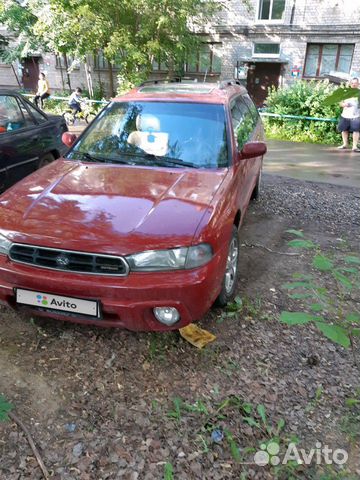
(68, 261)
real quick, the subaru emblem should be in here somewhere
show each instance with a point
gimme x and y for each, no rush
(62, 260)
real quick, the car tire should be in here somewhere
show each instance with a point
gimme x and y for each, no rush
(257, 189)
(229, 282)
(45, 160)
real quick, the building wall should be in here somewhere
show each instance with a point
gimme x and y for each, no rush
(304, 21)
(237, 28)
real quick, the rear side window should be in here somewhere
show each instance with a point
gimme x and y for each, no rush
(243, 121)
(250, 104)
(28, 120)
(39, 117)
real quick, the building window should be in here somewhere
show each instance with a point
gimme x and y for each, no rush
(71, 64)
(323, 58)
(101, 63)
(159, 65)
(271, 9)
(205, 60)
(266, 49)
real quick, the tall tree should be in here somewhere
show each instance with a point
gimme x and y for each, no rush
(130, 33)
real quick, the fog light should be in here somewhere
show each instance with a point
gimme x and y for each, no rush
(167, 315)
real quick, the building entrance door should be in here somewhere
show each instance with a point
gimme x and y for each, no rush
(30, 73)
(261, 78)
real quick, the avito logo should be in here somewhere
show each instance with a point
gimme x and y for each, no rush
(42, 299)
(63, 303)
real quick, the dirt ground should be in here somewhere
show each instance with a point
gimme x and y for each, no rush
(112, 404)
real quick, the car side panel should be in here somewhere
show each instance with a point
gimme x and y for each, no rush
(19, 154)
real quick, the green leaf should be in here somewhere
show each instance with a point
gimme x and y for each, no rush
(345, 281)
(293, 285)
(316, 307)
(355, 332)
(352, 317)
(5, 407)
(247, 407)
(340, 94)
(352, 259)
(322, 263)
(297, 233)
(262, 413)
(300, 296)
(301, 243)
(235, 452)
(335, 333)
(296, 318)
(251, 421)
(350, 402)
(302, 276)
(168, 471)
(280, 425)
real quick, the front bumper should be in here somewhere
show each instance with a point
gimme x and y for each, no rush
(126, 302)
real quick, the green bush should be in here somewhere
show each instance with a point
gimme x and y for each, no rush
(306, 99)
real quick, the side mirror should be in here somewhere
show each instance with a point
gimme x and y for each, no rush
(252, 150)
(68, 138)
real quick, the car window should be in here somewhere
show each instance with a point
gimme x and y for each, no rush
(192, 133)
(243, 122)
(39, 117)
(28, 120)
(11, 115)
(250, 104)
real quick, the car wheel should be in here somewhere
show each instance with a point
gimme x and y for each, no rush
(45, 160)
(227, 292)
(257, 189)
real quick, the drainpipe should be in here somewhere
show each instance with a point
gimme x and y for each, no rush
(292, 13)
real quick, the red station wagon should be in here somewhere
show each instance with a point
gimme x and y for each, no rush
(137, 225)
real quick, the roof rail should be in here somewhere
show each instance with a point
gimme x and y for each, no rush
(161, 80)
(228, 82)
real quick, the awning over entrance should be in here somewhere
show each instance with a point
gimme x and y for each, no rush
(262, 60)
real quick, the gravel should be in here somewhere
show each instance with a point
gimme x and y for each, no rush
(101, 403)
(332, 206)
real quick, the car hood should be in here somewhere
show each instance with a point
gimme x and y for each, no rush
(108, 208)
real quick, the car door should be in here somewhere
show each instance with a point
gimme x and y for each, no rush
(243, 125)
(19, 150)
(49, 132)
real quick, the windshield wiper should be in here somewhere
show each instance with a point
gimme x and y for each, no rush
(170, 161)
(92, 158)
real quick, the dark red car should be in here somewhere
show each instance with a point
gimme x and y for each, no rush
(137, 226)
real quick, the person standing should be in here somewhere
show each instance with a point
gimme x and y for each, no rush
(350, 119)
(43, 90)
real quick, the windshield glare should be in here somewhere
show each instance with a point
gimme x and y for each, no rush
(154, 133)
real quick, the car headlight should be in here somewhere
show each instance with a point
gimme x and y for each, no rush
(5, 245)
(172, 259)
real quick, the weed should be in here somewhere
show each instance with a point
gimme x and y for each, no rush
(316, 400)
(336, 316)
(159, 344)
(350, 422)
(176, 412)
(5, 407)
(168, 471)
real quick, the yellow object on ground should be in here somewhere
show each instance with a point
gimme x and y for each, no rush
(196, 335)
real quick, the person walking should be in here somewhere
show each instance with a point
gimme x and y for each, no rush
(43, 90)
(350, 119)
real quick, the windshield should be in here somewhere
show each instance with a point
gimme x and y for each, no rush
(154, 133)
